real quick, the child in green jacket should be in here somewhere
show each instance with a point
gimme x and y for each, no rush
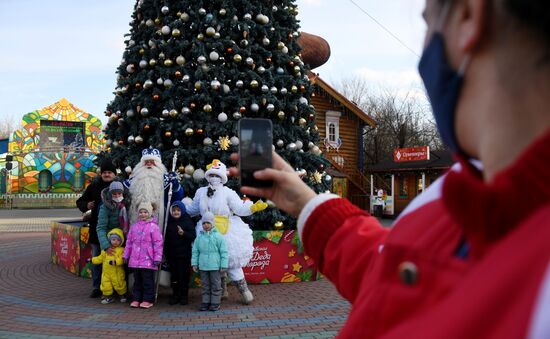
(210, 258)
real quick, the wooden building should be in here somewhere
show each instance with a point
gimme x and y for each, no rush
(403, 181)
(341, 125)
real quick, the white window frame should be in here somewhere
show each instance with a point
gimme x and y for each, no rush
(333, 119)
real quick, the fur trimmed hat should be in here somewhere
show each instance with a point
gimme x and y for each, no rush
(107, 165)
(116, 186)
(150, 154)
(146, 206)
(207, 217)
(218, 168)
(116, 233)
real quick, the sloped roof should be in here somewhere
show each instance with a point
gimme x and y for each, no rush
(316, 80)
(438, 160)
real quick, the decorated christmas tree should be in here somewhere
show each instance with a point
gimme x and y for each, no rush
(192, 69)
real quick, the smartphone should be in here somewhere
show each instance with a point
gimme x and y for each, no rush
(255, 148)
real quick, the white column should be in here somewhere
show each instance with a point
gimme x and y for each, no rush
(371, 193)
(393, 194)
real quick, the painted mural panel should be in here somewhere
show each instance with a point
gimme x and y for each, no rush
(60, 139)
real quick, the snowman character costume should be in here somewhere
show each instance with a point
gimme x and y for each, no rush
(228, 207)
(150, 182)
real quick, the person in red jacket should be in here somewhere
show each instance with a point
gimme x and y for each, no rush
(453, 266)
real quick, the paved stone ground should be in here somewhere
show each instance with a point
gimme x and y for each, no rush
(34, 220)
(41, 300)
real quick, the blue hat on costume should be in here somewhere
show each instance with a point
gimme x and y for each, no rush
(150, 154)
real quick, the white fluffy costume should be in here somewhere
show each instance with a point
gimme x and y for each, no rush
(149, 184)
(228, 207)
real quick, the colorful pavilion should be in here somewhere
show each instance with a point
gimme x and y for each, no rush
(54, 151)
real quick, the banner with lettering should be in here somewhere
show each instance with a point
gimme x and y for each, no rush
(65, 246)
(279, 257)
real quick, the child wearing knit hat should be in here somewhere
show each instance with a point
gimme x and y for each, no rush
(143, 253)
(210, 258)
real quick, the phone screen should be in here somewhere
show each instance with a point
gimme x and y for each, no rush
(256, 140)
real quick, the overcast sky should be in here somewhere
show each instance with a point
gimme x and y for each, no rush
(71, 48)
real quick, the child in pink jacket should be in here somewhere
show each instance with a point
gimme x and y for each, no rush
(143, 253)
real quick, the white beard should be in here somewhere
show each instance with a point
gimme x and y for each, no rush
(148, 186)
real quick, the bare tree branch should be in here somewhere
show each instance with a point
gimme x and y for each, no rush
(401, 120)
(8, 126)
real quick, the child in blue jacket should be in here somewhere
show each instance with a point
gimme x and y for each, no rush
(210, 258)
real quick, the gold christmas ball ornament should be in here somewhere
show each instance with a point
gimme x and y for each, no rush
(281, 115)
(189, 169)
(278, 225)
(168, 63)
(173, 113)
(198, 85)
(210, 31)
(176, 33)
(157, 21)
(141, 51)
(181, 169)
(152, 62)
(294, 89)
(189, 132)
(180, 60)
(302, 122)
(237, 58)
(280, 45)
(168, 134)
(207, 108)
(254, 84)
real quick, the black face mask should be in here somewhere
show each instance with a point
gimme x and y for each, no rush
(443, 85)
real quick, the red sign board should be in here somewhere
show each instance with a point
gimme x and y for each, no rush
(66, 246)
(411, 154)
(278, 257)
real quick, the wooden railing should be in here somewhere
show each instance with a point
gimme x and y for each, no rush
(353, 174)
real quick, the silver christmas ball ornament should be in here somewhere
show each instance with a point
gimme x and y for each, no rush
(222, 117)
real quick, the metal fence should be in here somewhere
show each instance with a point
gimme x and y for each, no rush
(38, 200)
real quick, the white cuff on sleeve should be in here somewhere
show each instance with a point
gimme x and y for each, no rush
(310, 207)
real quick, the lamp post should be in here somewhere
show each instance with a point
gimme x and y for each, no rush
(9, 166)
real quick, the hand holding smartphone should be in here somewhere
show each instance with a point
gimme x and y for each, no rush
(255, 148)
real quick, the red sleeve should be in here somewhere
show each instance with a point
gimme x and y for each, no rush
(344, 241)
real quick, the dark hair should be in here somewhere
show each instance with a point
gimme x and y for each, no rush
(533, 13)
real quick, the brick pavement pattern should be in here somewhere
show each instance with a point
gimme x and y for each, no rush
(41, 300)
